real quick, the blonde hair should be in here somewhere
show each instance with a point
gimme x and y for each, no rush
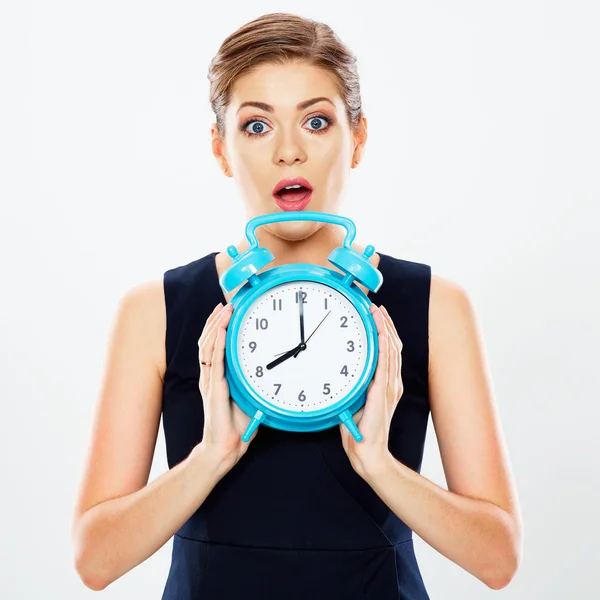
(277, 38)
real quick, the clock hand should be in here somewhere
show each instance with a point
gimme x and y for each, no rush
(296, 348)
(301, 304)
(303, 346)
(299, 347)
(317, 327)
(287, 355)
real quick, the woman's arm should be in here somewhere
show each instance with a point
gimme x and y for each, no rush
(476, 522)
(116, 535)
(119, 520)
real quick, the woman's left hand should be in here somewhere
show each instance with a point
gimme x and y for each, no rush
(384, 392)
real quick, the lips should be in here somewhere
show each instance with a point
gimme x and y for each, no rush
(295, 199)
(295, 181)
(299, 204)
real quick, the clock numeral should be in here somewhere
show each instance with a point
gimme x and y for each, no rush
(252, 346)
(303, 296)
(326, 389)
(261, 323)
(301, 396)
(259, 371)
(344, 370)
(278, 386)
(276, 303)
(344, 321)
(351, 346)
(325, 303)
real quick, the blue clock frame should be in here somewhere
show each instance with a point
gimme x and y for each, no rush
(245, 267)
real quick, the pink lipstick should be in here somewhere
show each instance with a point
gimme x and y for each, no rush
(296, 197)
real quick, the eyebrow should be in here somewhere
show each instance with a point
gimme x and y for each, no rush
(268, 108)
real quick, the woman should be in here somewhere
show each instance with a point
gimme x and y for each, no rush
(293, 515)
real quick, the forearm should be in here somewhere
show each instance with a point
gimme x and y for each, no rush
(475, 534)
(119, 534)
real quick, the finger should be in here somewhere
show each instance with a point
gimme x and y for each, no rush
(209, 333)
(217, 370)
(387, 356)
(397, 343)
(212, 327)
(214, 314)
(393, 350)
(392, 329)
(209, 325)
(206, 346)
(389, 326)
(209, 322)
(380, 377)
(218, 354)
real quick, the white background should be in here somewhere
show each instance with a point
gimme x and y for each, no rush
(482, 160)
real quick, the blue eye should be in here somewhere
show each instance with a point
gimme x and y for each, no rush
(313, 119)
(255, 127)
(258, 125)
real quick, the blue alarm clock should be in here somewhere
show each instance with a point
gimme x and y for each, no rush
(301, 345)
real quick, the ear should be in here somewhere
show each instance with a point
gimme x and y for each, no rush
(360, 140)
(218, 149)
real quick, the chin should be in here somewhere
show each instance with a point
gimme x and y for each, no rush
(294, 231)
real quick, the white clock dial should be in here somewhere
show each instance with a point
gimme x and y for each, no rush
(331, 363)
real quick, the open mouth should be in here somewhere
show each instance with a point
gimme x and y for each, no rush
(294, 194)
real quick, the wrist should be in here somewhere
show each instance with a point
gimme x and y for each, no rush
(208, 460)
(377, 466)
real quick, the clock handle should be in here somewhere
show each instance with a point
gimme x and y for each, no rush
(248, 263)
(348, 421)
(301, 215)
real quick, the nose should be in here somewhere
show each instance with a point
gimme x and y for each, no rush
(290, 149)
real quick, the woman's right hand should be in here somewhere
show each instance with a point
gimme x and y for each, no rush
(224, 421)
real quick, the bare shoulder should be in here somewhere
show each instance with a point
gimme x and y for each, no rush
(147, 301)
(129, 401)
(456, 347)
(448, 301)
(444, 290)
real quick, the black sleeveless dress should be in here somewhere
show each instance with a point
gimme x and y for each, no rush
(292, 520)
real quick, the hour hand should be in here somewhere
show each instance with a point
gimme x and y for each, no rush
(285, 356)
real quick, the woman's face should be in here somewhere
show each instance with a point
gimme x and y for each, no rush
(277, 140)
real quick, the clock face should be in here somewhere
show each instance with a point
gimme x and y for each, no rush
(330, 364)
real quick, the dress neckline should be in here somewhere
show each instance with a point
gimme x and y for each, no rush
(371, 295)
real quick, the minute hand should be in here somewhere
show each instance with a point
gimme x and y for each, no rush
(303, 346)
(301, 304)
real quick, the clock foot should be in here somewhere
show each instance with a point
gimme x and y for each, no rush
(347, 420)
(253, 425)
